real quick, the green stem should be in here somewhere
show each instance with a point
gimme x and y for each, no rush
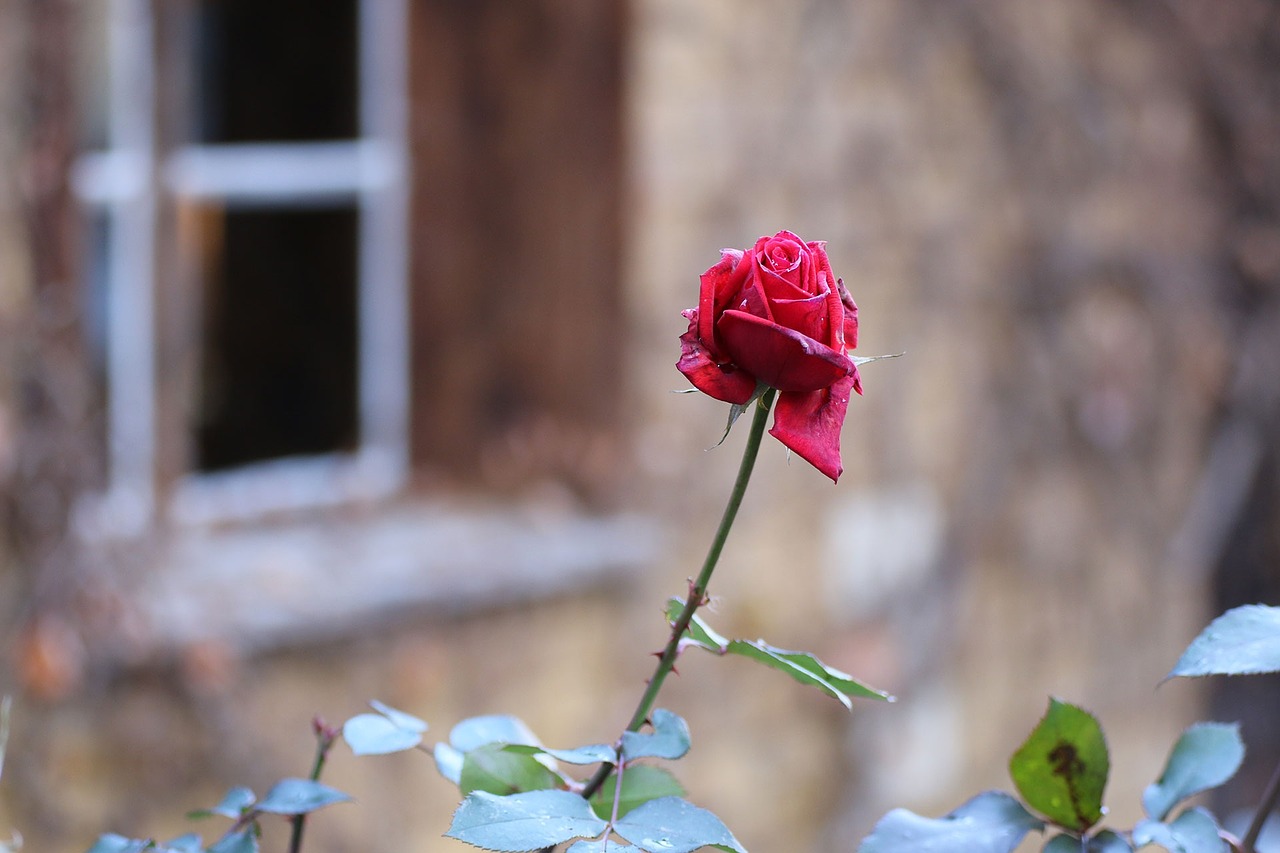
(698, 588)
(1269, 797)
(324, 741)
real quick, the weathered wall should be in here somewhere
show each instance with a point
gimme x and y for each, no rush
(1034, 202)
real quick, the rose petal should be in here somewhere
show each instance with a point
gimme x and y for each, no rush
(781, 358)
(718, 287)
(783, 261)
(725, 383)
(809, 424)
(808, 316)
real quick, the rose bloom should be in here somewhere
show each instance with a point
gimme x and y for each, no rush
(776, 315)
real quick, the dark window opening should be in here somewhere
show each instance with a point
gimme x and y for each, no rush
(276, 70)
(278, 358)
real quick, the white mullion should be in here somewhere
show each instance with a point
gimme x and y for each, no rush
(383, 255)
(292, 174)
(131, 206)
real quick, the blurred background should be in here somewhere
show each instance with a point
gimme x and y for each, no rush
(337, 344)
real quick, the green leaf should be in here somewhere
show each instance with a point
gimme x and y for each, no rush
(112, 843)
(992, 822)
(189, 843)
(1104, 842)
(449, 762)
(1108, 842)
(495, 769)
(802, 666)
(807, 669)
(299, 796)
(1197, 831)
(243, 841)
(402, 719)
(673, 825)
(389, 730)
(1194, 831)
(640, 784)
(594, 754)
(699, 632)
(1205, 756)
(233, 804)
(669, 738)
(374, 734)
(528, 821)
(598, 845)
(1062, 767)
(1242, 641)
(476, 732)
(493, 728)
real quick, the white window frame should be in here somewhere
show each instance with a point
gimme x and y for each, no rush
(128, 180)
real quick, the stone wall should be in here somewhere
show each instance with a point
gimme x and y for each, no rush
(1035, 204)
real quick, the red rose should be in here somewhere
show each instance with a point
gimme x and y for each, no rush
(776, 315)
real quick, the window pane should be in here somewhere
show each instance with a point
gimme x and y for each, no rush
(276, 70)
(278, 371)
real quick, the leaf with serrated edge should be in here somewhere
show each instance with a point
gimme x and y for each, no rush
(669, 739)
(374, 734)
(673, 825)
(1243, 641)
(1104, 842)
(113, 843)
(807, 669)
(802, 666)
(492, 768)
(593, 754)
(991, 822)
(1061, 769)
(1194, 831)
(448, 762)
(1108, 842)
(1205, 756)
(299, 796)
(403, 720)
(598, 845)
(1197, 832)
(243, 841)
(520, 822)
(233, 804)
(493, 728)
(189, 843)
(640, 784)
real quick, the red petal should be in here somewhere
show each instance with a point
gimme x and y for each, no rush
(718, 287)
(810, 424)
(781, 358)
(850, 315)
(724, 383)
(806, 316)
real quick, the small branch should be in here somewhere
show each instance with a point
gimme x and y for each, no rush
(697, 589)
(325, 737)
(1265, 807)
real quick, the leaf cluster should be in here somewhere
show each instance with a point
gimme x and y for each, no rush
(1060, 771)
(288, 798)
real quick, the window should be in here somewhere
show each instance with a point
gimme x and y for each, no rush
(248, 197)
(249, 254)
